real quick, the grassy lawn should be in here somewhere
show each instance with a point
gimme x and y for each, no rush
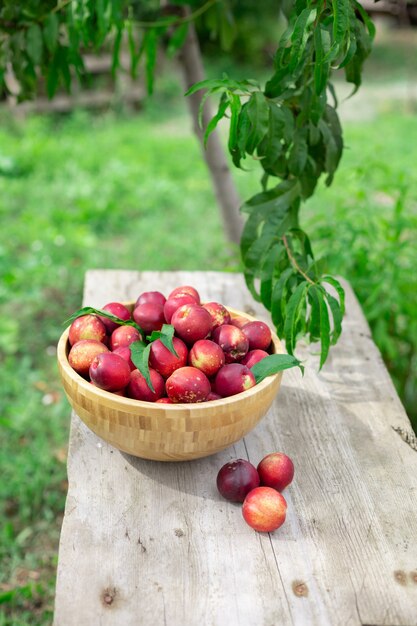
(132, 192)
(84, 192)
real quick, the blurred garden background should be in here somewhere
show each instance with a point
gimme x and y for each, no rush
(124, 186)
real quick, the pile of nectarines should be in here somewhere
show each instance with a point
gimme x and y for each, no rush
(210, 357)
(258, 488)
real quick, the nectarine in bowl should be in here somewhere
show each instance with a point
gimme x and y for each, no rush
(163, 431)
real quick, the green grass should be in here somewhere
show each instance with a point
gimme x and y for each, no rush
(133, 192)
(76, 193)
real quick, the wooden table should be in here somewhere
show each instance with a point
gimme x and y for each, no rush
(149, 543)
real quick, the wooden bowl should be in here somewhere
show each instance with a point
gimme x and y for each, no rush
(167, 432)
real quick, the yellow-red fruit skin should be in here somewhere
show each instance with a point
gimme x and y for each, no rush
(264, 509)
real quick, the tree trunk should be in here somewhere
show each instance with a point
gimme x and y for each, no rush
(214, 154)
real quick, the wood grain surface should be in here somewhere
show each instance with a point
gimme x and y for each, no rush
(149, 543)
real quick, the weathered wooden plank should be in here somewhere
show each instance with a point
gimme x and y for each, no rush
(147, 543)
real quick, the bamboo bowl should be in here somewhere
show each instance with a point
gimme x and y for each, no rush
(167, 432)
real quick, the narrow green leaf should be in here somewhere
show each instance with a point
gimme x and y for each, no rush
(332, 154)
(235, 108)
(34, 43)
(177, 39)
(273, 364)
(334, 95)
(103, 10)
(297, 158)
(314, 317)
(300, 35)
(167, 335)
(302, 237)
(139, 353)
(365, 18)
(338, 287)
(89, 310)
(258, 114)
(272, 146)
(250, 283)
(324, 330)
(309, 177)
(223, 106)
(260, 246)
(50, 31)
(116, 51)
(321, 66)
(294, 308)
(226, 83)
(150, 44)
(250, 232)
(243, 131)
(134, 54)
(267, 273)
(278, 300)
(341, 21)
(337, 316)
(280, 198)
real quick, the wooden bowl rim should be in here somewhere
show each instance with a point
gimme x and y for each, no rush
(130, 403)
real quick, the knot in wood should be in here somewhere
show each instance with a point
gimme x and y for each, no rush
(108, 596)
(300, 588)
(400, 577)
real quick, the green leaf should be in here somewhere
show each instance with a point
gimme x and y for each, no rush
(298, 153)
(337, 316)
(341, 20)
(166, 336)
(280, 198)
(150, 46)
(302, 237)
(103, 9)
(34, 43)
(338, 287)
(324, 330)
(139, 353)
(225, 83)
(257, 111)
(314, 320)
(235, 109)
(332, 153)
(259, 247)
(300, 36)
(267, 273)
(280, 131)
(273, 364)
(321, 67)
(278, 300)
(50, 31)
(134, 53)
(223, 106)
(365, 18)
(243, 132)
(177, 39)
(349, 54)
(89, 310)
(116, 51)
(294, 308)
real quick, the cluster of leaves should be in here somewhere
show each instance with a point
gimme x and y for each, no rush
(290, 127)
(140, 350)
(49, 39)
(293, 131)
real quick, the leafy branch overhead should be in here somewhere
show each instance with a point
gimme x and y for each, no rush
(293, 131)
(289, 126)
